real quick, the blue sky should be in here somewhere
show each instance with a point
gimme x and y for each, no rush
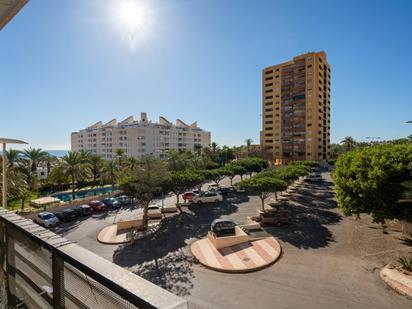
(65, 65)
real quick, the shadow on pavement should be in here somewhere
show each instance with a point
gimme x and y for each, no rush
(160, 258)
(315, 207)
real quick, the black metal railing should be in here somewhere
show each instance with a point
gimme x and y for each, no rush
(40, 269)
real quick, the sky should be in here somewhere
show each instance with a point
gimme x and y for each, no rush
(65, 65)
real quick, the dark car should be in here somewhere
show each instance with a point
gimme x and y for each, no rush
(226, 191)
(97, 206)
(111, 202)
(83, 210)
(223, 227)
(67, 215)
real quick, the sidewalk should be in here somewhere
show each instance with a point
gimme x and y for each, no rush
(398, 281)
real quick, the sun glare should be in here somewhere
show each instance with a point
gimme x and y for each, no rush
(132, 18)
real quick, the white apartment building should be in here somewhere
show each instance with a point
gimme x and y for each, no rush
(139, 138)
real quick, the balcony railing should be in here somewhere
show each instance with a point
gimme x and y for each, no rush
(40, 269)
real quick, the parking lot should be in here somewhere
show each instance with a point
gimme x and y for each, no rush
(329, 261)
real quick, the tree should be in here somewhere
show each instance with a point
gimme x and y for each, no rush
(263, 186)
(231, 170)
(252, 165)
(215, 175)
(335, 151)
(348, 143)
(248, 143)
(96, 164)
(34, 156)
(110, 172)
(145, 181)
(370, 180)
(120, 157)
(180, 181)
(74, 169)
(50, 161)
(214, 147)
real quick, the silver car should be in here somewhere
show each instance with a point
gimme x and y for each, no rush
(46, 219)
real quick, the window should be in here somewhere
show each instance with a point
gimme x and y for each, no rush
(269, 72)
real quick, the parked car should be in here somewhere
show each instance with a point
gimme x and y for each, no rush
(97, 206)
(223, 227)
(83, 210)
(124, 199)
(313, 177)
(67, 215)
(226, 191)
(46, 219)
(213, 187)
(188, 196)
(208, 197)
(154, 211)
(112, 202)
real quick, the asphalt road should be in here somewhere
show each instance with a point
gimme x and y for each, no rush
(328, 261)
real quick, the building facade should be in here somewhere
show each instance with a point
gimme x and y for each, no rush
(140, 138)
(296, 109)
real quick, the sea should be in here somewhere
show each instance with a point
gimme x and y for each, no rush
(56, 153)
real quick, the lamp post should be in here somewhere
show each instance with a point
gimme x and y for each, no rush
(6, 141)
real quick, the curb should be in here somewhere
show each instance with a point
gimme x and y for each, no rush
(239, 271)
(394, 284)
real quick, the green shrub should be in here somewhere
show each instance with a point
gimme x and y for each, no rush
(406, 262)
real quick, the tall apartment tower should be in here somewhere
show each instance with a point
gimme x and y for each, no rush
(296, 109)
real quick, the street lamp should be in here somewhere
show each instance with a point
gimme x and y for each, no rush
(6, 141)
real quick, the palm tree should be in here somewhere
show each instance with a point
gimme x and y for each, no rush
(348, 143)
(85, 155)
(214, 147)
(120, 157)
(74, 169)
(34, 157)
(110, 172)
(410, 138)
(96, 166)
(13, 158)
(248, 143)
(50, 161)
(131, 163)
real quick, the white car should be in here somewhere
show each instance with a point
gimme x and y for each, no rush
(208, 197)
(46, 219)
(154, 212)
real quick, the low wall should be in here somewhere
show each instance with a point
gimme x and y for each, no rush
(227, 241)
(127, 225)
(406, 227)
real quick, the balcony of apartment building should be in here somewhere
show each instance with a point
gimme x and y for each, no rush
(40, 269)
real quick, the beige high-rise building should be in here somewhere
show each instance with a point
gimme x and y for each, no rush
(296, 109)
(139, 138)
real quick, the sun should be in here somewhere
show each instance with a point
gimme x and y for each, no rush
(132, 19)
(132, 15)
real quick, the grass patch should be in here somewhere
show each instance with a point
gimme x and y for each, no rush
(15, 203)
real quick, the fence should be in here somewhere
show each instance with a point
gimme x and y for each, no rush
(43, 270)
